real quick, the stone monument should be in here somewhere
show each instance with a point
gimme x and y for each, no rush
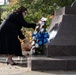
(64, 42)
(60, 51)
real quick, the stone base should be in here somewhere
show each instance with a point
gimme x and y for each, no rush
(53, 63)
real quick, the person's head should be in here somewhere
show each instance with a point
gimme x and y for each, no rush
(22, 10)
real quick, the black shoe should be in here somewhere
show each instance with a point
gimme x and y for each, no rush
(14, 64)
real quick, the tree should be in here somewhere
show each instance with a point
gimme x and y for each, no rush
(39, 8)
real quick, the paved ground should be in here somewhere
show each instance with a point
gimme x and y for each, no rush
(18, 70)
(23, 70)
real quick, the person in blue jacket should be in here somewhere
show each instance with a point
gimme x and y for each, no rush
(10, 29)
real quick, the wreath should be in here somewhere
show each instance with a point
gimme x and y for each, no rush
(40, 36)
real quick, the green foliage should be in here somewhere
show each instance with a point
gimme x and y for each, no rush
(37, 8)
(64, 2)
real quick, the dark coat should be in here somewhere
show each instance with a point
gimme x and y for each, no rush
(9, 31)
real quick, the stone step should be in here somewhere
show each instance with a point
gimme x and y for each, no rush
(20, 60)
(66, 63)
(14, 58)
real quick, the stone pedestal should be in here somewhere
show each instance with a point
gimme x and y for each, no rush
(41, 63)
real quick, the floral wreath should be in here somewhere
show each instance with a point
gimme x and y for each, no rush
(40, 35)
